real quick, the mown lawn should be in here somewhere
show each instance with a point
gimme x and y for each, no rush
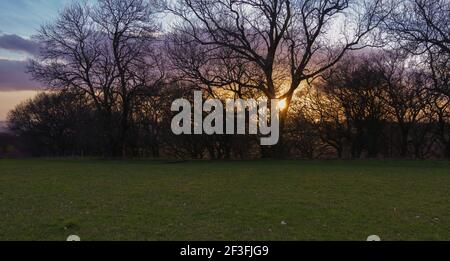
(154, 200)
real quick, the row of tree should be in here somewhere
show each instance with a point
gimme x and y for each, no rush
(359, 78)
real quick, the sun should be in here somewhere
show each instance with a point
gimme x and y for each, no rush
(282, 104)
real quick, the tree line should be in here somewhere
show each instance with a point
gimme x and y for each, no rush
(359, 79)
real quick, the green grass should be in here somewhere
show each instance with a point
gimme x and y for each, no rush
(152, 200)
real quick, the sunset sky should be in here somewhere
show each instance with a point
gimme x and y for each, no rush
(19, 20)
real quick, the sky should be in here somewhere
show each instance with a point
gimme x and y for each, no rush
(19, 20)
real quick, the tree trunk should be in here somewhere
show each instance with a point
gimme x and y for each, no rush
(278, 151)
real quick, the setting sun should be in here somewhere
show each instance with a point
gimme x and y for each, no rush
(282, 104)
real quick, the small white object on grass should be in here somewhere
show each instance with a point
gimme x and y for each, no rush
(374, 238)
(284, 223)
(73, 238)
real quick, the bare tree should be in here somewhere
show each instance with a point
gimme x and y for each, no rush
(106, 51)
(440, 114)
(419, 24)
(404, 93)
(422, 28)
(328, 116)
(271, 47)
(357, 85)
(54, 124)
(439, 71)
(281, 43)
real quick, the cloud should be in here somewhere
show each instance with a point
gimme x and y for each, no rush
(15, 43)
(13, 76)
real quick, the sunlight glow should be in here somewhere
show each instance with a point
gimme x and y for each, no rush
(282, 104)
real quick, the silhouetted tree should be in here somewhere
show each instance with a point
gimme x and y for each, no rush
(421, 28)
(441, 119)
(404, 94)
(106, 51)
(56, 124)
(356, 84)
(272, 47)
(113, 75)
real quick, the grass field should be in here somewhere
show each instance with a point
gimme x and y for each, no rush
(154, 200)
